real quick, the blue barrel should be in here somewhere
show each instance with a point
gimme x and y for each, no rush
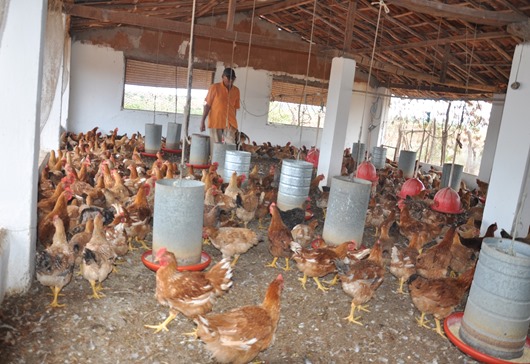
(178, 219)
(497, 313)
(238, 161)
(295, 180)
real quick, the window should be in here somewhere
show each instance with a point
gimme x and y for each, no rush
(292, 105)
(151, 86)
(431, 128)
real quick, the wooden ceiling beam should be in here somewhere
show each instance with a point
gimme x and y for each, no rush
(475, 16)
(120, 17)
(282, 6)
(436, 42)
(350, 22)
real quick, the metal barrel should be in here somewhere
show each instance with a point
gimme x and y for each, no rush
(379, 157)
(407, 163)
(173, 136)
(153, 138)
(219, 155)
(346, 212)
(497, 313)
(238, 161)
(295, 180)
(178, 219)
(355, 148)
(455, 179)
(199, 149)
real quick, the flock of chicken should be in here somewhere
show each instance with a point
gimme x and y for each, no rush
(96, 199)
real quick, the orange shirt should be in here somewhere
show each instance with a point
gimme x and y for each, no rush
(223, 104)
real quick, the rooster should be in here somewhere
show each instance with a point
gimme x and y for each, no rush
(239, 335)
(190, 292)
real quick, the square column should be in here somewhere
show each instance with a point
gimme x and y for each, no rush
(336, 121)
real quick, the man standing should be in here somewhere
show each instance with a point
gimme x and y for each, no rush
(220, 107)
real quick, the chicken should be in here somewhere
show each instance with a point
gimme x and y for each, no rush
(303, 234)
(246, 206)
(403, 263)
(315, 182)
(525, 239)
(316, 263)
(45, 228)
(55, 264)
(476, 242)
(80, 240)
(293, 217)
(439, 296)
(415, 229)
(98, 258)
(462, 258)
(265, 200)
(239, 335)
(434, 262)
(232, 189)
(231, 241)
(468, 230)
(322, 200)
(190, 292)
(211, 216)
(361, 279)
(279, 238)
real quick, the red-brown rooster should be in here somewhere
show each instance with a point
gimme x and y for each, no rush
(279, 238)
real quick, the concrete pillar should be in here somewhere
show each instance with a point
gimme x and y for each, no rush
(509, 175)
(336, 122)
(20, 77)
(490, 144)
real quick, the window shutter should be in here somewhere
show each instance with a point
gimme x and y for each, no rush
(293, 92)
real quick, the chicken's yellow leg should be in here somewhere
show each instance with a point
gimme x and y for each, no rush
(320, 286)
(95, 290)
(401, 283)
(163, 325)
(193, 333)
(351, 318)
(303, 280)
(438, 327)
(333, 281)
(273, 263)
(286, 265)
(236, 257)
(55, 302)
(421, 321)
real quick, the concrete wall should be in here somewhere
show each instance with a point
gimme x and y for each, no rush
(21, 47)
(96, 93)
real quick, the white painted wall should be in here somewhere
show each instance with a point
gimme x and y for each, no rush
(97, 75)
(20, 77)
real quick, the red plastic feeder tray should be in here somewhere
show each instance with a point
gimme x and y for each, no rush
(447, 201)
(452, 325)
(411, 187)
(198, 166)
(367, 171)
(150, 155)
(172, 151)
(205, 262)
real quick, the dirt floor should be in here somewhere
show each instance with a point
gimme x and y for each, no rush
(312, 328)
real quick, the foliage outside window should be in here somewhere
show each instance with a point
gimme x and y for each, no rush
(294, 104)
(441, 125)
(163, 88)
